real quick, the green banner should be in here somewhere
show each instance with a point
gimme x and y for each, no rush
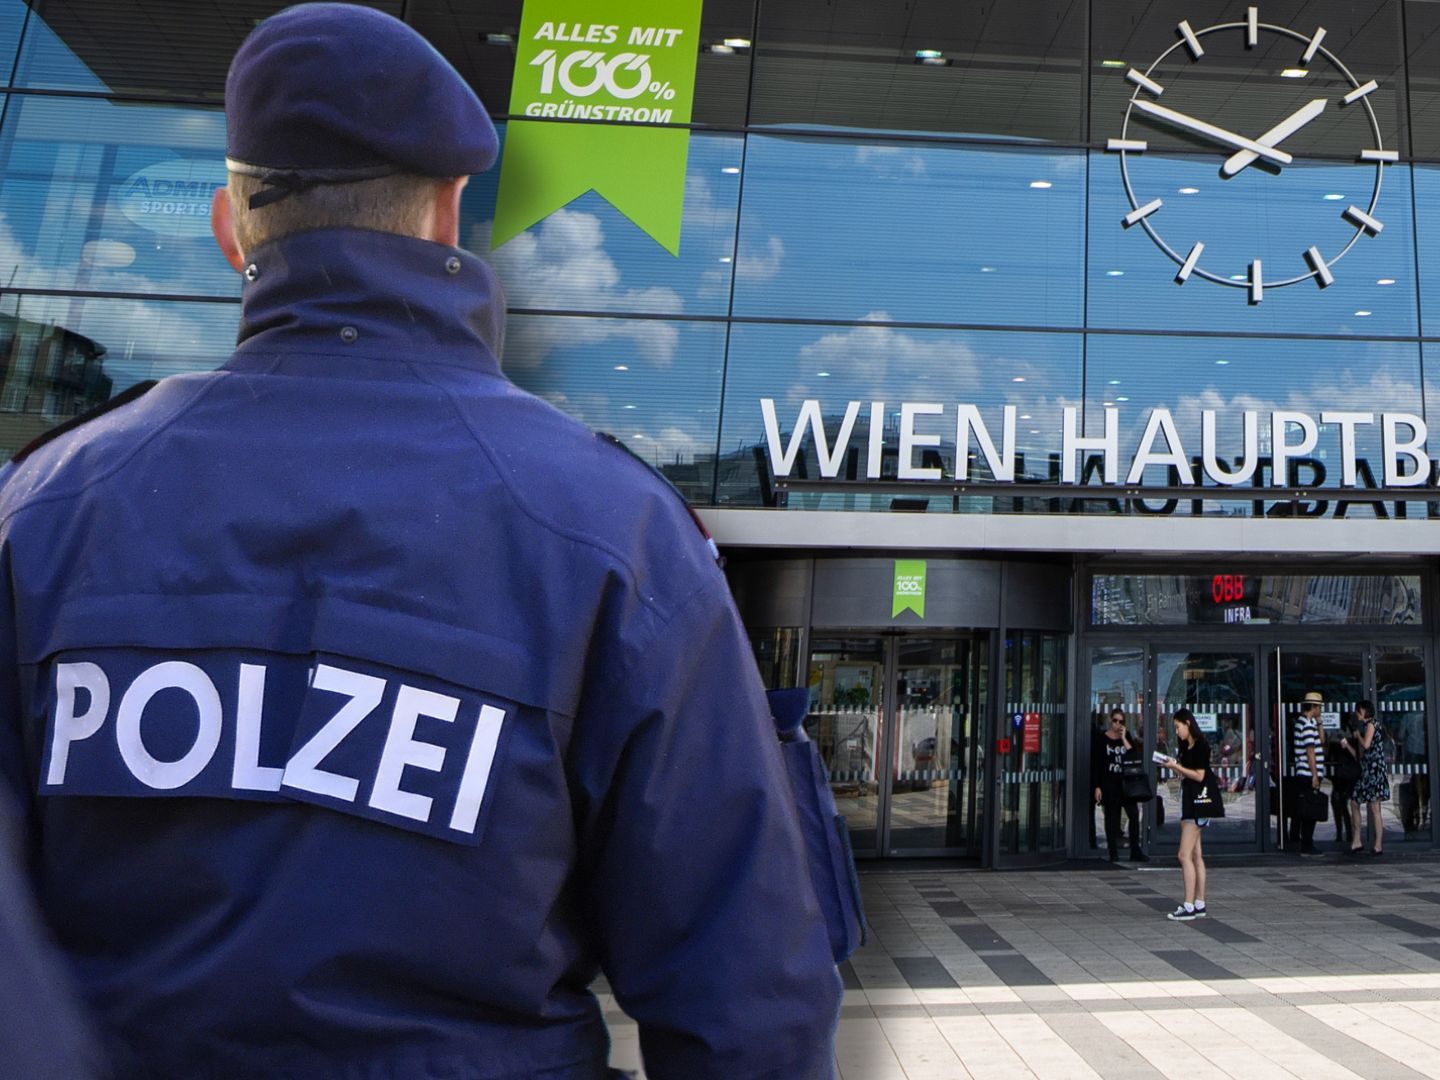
(909, 587)
(631, 62)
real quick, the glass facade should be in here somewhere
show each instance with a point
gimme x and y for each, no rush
(916, 204)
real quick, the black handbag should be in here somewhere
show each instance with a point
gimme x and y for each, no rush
(1135, 781)
(1312, 804)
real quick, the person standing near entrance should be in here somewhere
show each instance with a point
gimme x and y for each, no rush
(1306, 747)
(1193, 763)
(1373, 788)
(1112, 752)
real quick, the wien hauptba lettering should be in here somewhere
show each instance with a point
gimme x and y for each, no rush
(1279, 438)
(333, 732)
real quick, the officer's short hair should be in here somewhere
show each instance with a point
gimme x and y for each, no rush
(392, 204)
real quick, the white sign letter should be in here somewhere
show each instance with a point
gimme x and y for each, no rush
(909, 440)
(1002, 464)
(1209, 452)
(1283, 452)
(477, 770)
(302, 771)
(1347, 422)
(68, 727)
(1109, 443)
(402, 749)
(877, 440)
(177, 675)
(781, 464)
(248, 774)
(1414, 450)
(1174, 454)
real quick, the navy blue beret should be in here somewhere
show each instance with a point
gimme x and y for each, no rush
(329, 93)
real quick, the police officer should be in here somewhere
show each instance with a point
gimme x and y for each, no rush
(43, 1035)
(369, 707)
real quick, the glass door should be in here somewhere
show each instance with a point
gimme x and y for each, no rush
(900, 722)
(1338, 676)
(847, 683)
(1030, 749)
(937, 790)
(1219, 688)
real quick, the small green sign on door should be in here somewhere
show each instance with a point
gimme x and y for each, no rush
(909, 587)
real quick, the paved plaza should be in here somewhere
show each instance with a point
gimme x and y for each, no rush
(1319, 969)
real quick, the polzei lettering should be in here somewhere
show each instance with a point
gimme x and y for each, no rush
(335, 732)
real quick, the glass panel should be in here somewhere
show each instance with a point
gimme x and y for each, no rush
(654, 385)
(60, 355)
(1219, 688)
(478, 37)
(1117, 681)
(1032, 772)
(912, 232)
(847, 700)
(1427, 246)
(13, 14)
(1400, 697)
(106, 196)
(589, 257)
(1339, 678)
(1011, 69)
(169, 48)
(1422, 36)
(1248, 599)
(1252, 216)
(837, 365)
(939, 712)
(777, 652)
(1248, 88)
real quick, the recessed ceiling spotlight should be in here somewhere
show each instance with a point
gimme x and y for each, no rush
(1114, 273)
(1018, 378)
(1222, 363)
(822, 374)
(1114, 382)
(1294, 73)
(622, 367)
(720, 50)
(1362, 314)
(1332, 197)
(1189, 191)
(987, 269)
(731, 170)
(1386, 281)
(738, 42)
(1041, 184)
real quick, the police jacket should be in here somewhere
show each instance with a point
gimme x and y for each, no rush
(369, 707)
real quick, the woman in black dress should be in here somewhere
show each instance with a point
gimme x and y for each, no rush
(1193, 763)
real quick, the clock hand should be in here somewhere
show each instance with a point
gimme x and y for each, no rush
(1210, 131)
(1281, 131)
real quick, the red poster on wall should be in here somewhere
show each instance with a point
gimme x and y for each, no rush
(1032, 733)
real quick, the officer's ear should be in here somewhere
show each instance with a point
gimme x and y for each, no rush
(445, 222)
(222, 224)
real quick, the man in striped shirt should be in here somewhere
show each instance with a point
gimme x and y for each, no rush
(1306, 755)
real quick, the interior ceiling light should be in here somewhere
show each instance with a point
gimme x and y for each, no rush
(737, 42)
(1222, 363)
(1041, 185)
(1332, 197)
(1362, 314)
(1386, 281)
(1294, 73)
(928, 54)
(1189, 191)
(731, 170)
(721, 50)
(1114, 273)
(499, 39)
(1112, 63)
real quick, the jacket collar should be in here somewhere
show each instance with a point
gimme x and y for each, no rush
(372, 294)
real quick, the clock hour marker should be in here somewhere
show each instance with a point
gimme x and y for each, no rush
(1144, 82)
(1143, 211)
(1189, 264)
(1314, 45)
(1257, 283)
(1379, 155)
(1252, 27)
(1191, 41)
(1323, 276)
(1360, 91)
(1136, 146)
(1364, 220)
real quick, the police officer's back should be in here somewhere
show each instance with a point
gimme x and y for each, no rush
(370, 706)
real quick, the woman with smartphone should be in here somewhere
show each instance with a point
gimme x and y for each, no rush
(1192, 764)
